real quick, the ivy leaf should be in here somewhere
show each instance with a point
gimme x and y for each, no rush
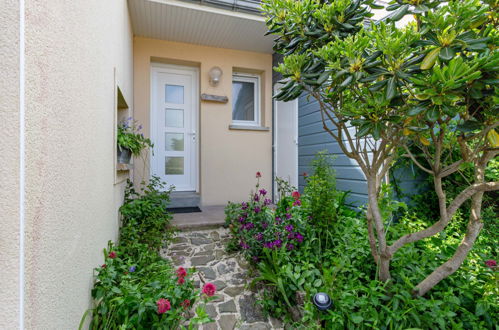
(357, 319)
(430, 59)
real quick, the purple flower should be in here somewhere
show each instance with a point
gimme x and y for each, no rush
(263, 192)
(140, 127)
(289, 228)
(132, 269)
(291, 236)
(290, 246)
(256, 198)
(256, 259)
(257, 209)
(241, 219)
(287, 209)
(259, 236)
(297, 203)
(244, 206)
(265, 225)
(249, 225)
(278, 220)
(288, 216)
(277, 243)
(268, 245)
(267, 201)
(244, 245)
(299, 237)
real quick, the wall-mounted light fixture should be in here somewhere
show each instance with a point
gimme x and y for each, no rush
(215, 75)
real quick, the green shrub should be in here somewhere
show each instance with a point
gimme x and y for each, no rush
(135, 288)
(322, 203)
(144, 215)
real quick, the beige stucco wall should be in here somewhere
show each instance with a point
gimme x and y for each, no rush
(9, 164)
(72, 50)
(229, 159)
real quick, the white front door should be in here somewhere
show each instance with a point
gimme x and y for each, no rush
(174, 107)
(286, 141)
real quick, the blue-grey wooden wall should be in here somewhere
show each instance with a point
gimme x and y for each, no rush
(312, 138)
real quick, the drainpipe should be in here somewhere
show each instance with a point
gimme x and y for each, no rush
(22, 159)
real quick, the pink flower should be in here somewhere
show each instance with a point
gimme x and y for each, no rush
(209, 289)
(104, 266)
(112, 255)
(296, 195)
(491, 263)
(163, 305)
(181, 272)
(181, 280)
(258, 175)
(297, 202)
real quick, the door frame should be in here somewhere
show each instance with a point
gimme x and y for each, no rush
(195, 122)
(276, 144)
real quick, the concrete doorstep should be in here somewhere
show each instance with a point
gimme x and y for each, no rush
(209, 217)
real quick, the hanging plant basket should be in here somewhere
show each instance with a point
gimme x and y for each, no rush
(124, 155)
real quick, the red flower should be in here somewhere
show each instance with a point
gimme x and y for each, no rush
(112, 255)
(103, 266)
(181, 280)
(209, 289)
(258, 175)
(491, 263)
(181, 272)
(305, 174)
(296, 195)
(186, 303)
(163, 305)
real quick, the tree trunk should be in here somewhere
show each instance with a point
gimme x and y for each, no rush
(384, 256)
(475, 225)
(372, 236)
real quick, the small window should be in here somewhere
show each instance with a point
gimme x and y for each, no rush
(245, 99)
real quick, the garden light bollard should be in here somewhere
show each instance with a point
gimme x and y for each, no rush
(323, 302)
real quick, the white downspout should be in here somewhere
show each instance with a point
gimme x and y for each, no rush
(22, 150)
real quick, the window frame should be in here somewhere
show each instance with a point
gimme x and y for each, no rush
(251, 78)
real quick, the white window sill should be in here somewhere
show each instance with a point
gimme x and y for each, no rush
(249, 128)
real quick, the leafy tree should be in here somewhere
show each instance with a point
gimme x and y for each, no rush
(429, 85)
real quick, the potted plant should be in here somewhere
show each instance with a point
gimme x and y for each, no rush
(130, 140)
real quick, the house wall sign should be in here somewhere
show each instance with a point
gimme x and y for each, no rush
(214, 98)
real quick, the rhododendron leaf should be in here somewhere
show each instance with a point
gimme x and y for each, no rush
(430, 59)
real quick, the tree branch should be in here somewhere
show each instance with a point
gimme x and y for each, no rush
(418, 164)
(442, 223)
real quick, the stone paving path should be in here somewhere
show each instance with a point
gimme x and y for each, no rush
(236, 307)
